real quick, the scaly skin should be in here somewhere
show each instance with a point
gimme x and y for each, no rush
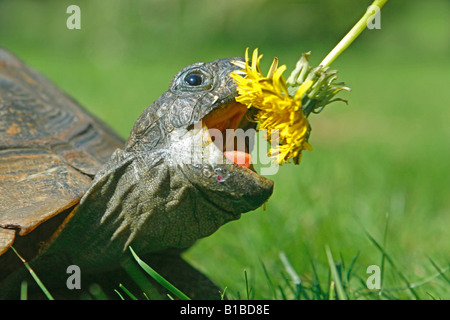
(161, 191)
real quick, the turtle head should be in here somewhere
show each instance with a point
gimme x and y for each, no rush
(207, 135)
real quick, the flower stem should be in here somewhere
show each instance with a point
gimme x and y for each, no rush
(351, 35)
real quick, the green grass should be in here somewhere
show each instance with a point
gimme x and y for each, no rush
(342, 282)
(385, 154)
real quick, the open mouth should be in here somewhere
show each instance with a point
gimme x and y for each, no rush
(229, 134)
(222, 124)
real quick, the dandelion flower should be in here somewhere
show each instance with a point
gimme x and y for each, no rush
(277, 109)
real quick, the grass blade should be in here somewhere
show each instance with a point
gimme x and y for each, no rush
(132, 296)
(121, 297)
(24, 290)
(283, 295)
(334, 274)
(332, 291)
(388, 258)
(293, 274)
(34, 275)
(269, 281)
(139, 277)
(247, 287)
(158, 278)
(352, 264)
(441, 272)
(222, 295)
(316, 288)
(383, 256)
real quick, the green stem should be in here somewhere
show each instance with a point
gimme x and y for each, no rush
(351, 35)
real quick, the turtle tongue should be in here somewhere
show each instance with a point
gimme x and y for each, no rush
(241, 158)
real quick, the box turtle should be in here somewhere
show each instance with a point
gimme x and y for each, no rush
(72, 192)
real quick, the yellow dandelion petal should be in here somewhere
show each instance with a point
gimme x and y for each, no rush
(272, 68)
(277, 110)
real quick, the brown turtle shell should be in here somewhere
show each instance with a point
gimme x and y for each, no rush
(50, 149)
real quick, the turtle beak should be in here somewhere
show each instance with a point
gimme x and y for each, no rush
(235, 175)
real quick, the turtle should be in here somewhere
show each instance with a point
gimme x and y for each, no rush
(74, 193)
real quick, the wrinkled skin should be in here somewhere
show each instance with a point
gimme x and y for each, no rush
(166, 189)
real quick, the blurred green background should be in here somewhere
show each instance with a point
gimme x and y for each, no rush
(386, 153)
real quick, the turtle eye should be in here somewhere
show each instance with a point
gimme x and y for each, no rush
(194, 79)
